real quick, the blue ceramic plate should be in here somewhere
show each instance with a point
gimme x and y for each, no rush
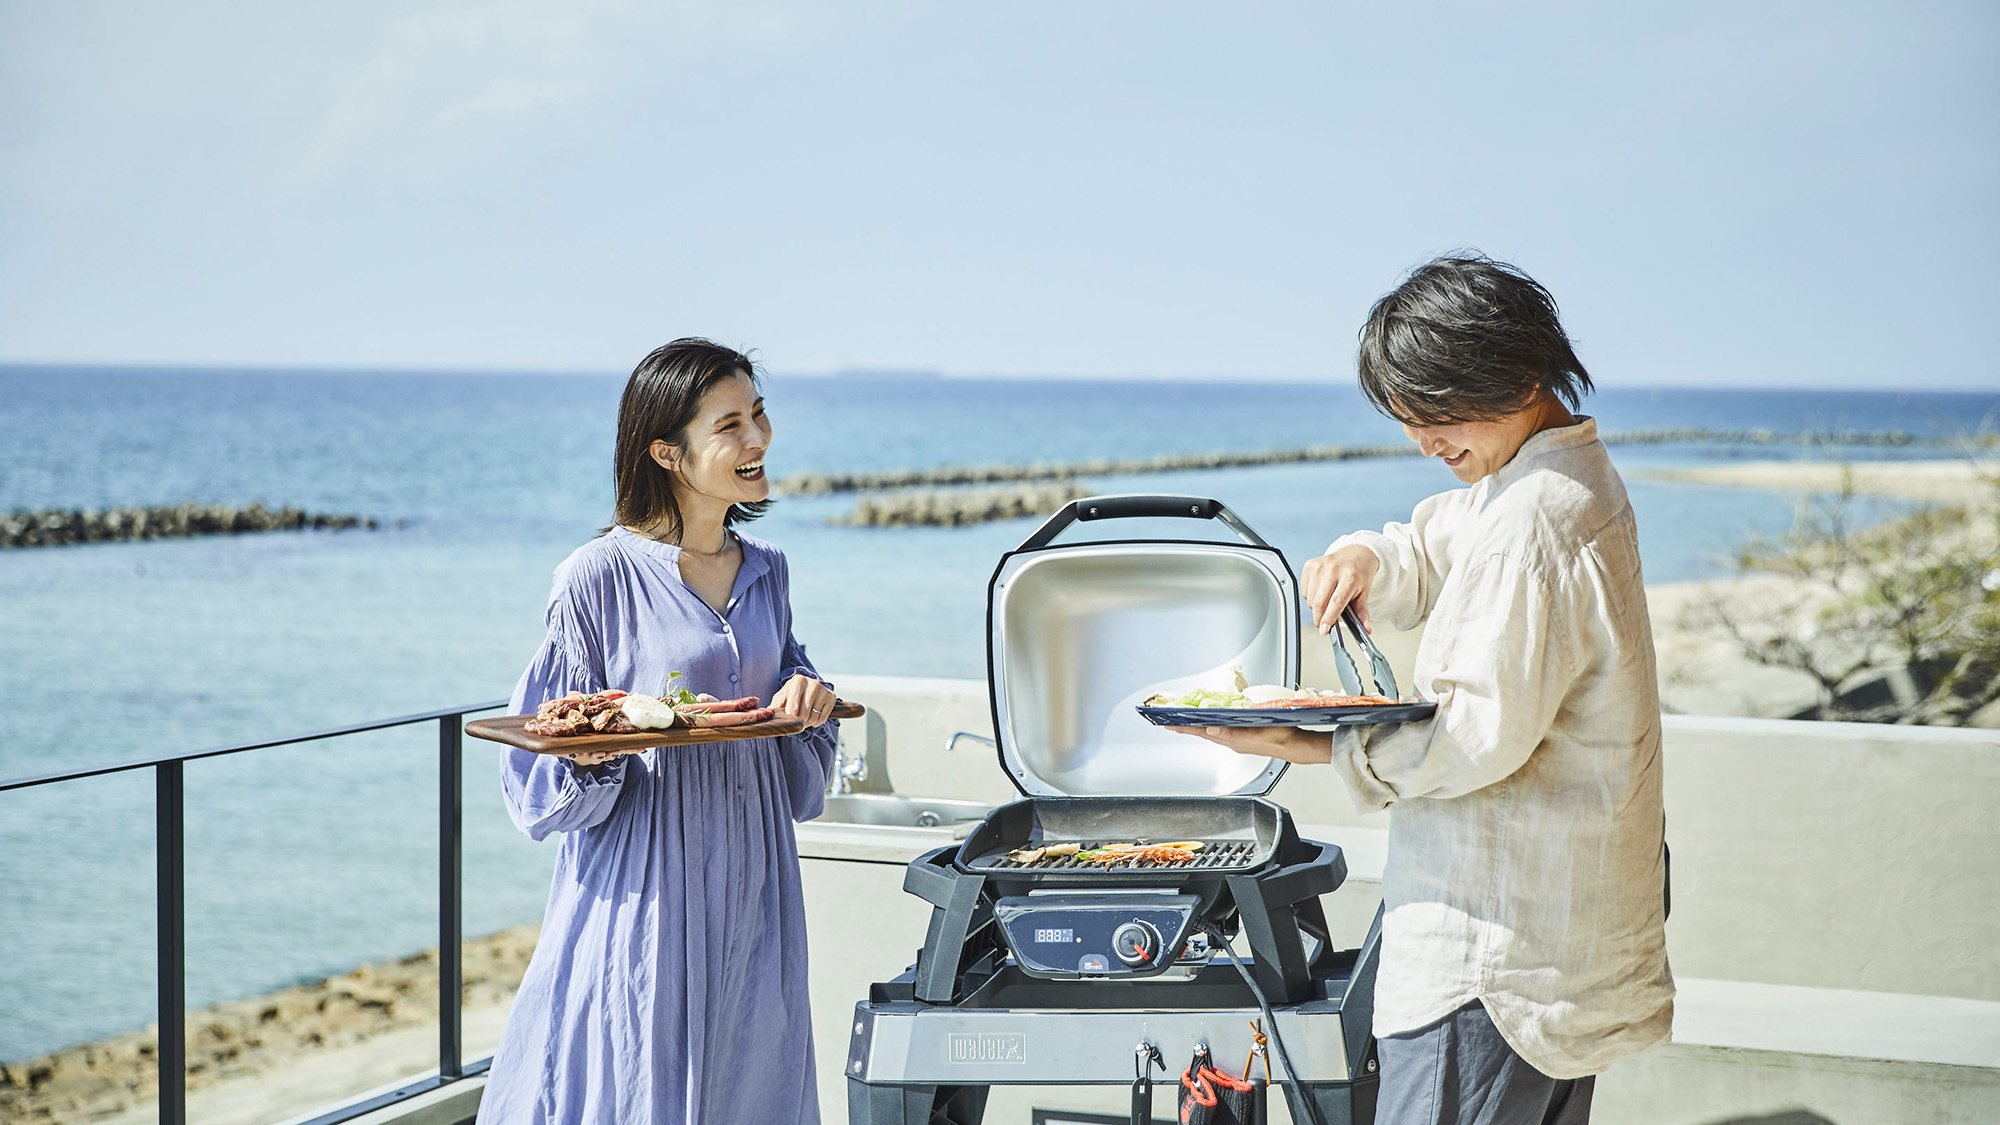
(1288, 716)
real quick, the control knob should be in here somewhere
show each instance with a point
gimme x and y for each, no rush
(1136, 943)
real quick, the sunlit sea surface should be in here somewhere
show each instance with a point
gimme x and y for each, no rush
(312, 859)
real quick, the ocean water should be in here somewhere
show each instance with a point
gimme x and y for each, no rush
(311, 859)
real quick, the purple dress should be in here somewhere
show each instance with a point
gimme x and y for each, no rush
(669, 984)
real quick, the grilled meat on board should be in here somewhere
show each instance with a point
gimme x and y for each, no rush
(604, 713)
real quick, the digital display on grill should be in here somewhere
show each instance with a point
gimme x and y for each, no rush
(1064, 936)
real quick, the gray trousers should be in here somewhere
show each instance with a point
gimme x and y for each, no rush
(1459, 1071)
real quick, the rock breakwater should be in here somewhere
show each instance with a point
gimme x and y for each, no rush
(817, 484)
(960, 507)
(58, 528)
(939, 497)
(812, 484)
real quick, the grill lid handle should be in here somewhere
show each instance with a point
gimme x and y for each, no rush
(1137, 505)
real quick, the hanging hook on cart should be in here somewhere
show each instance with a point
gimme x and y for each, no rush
(1145, 1055)
(1259, 1047)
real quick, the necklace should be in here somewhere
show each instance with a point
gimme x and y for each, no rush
(660, 536)
(727, 542)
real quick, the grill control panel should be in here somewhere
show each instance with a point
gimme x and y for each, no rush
(1064, 936)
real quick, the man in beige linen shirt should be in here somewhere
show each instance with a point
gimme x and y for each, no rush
(1523, 940)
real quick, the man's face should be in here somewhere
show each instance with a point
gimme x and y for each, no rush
(1476, 450)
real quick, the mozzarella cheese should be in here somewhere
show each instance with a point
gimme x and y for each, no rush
(647, 712)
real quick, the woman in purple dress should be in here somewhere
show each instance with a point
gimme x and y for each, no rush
(669, 984)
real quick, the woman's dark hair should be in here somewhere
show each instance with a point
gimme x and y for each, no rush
(661, 399)
(1466, 339)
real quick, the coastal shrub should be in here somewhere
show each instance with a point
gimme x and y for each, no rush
(1893, 622)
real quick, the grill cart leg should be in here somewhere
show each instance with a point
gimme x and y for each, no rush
(1353, 1103)
(1279, 907)
(1345, 1103)
(959, 911)
(914, 1105)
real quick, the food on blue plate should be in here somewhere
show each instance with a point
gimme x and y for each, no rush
(1261, 697)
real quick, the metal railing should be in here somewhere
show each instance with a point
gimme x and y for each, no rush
(170, 883)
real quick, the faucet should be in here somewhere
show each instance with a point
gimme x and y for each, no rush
(951, 743)
(847, 771)
(861, 758)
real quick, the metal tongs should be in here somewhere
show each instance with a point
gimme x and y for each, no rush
(1378, 665)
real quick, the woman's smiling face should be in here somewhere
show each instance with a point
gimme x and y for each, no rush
(722, 456)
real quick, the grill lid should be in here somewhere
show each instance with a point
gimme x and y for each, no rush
(1079, 634)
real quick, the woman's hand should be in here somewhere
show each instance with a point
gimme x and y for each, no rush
(1304, 748)
(586, 758)
(1338, 579)
(804, 698)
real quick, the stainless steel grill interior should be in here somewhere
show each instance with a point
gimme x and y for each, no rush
(1082, 635)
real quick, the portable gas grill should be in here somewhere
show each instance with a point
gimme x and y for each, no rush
(1055, 970)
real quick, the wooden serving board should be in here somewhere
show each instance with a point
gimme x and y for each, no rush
(509, 730)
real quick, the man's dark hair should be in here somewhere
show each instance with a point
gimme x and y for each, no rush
(1466, 339)
(661, 399)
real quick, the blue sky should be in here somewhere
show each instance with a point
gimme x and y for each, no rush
(1742, 194)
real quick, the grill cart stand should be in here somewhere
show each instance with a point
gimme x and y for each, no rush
(913, 1061)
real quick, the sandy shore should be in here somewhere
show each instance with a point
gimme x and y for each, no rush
(1704, 673)
(276, 1057)
(1935, 482)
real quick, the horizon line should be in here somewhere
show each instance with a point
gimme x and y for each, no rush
(885, 374)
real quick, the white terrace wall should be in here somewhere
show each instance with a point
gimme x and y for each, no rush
(1837, 855)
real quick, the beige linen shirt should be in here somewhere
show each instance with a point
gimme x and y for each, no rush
(1525, 866)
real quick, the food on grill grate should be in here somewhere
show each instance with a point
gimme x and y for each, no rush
(1152, 853)
(1180, 853)
(1056, 851)
(1156, 854)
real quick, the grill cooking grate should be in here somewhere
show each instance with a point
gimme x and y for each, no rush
(1216, 854)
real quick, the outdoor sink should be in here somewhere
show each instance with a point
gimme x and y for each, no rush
(896, 811)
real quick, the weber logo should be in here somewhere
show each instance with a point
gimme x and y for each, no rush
(1009, 1047)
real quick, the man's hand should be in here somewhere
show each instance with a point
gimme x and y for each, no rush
(1300, 747)
(804, 698)
(1339, 578)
